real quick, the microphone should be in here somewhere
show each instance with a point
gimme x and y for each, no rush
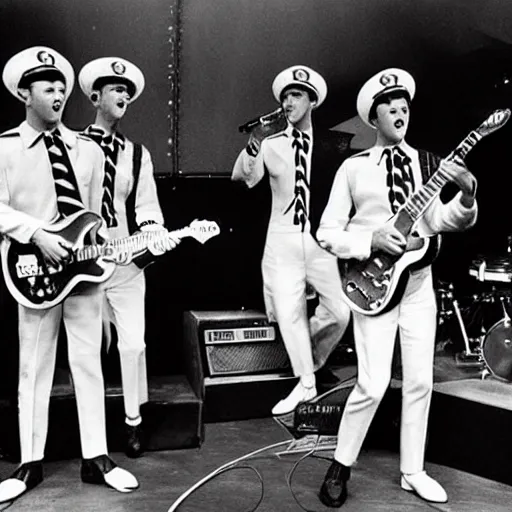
(264, 120)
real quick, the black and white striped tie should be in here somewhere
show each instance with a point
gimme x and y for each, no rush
(301, 145)
(399, 178)
(110, 144)
(66, 186)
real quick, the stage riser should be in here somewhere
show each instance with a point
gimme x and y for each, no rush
(244, 400)
(471, 436)
(168, 425)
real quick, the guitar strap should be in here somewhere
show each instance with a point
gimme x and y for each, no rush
(429, 162)
(130, 201)
(147, 258)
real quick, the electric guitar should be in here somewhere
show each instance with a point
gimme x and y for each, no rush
(370, 286)
(35, 284)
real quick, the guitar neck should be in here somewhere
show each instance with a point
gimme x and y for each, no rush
(418, 202)
(133, 244)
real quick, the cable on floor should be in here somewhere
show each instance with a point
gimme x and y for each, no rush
(226, 467)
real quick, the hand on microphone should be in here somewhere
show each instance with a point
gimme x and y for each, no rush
(253, 146)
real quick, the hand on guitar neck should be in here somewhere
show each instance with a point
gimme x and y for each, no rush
(54, 248)
(455, 170)
(164, 241)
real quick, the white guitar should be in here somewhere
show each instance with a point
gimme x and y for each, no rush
(37, 285)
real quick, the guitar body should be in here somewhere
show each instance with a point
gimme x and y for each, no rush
(34, 284)
(372, 286)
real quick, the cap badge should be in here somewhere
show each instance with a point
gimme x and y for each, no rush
(118, 68)
(301, 75)
(389, 80)
(46, 58)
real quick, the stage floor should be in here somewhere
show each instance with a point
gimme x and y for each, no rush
(164, 476)
(469, 452)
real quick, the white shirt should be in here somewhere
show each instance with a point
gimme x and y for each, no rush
(359, 204)
(277, 155)
(28, 200)
(147, 206)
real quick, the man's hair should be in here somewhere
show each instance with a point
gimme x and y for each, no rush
(387, 98)
(109, 80)
(312, 94)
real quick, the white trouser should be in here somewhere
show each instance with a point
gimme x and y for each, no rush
(415, 317)
(124, 294)
(289, 261)
(38, 333)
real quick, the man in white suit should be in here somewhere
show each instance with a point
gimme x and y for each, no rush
(129, 203)
(32, 195)
(369, 188)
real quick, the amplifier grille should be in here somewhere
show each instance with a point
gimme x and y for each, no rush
(246, 358)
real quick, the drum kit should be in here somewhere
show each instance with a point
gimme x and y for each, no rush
(484, 320)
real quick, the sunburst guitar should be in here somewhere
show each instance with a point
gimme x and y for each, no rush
(373, 285)
(37, 285)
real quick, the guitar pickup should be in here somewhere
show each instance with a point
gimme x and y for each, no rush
(353, 287)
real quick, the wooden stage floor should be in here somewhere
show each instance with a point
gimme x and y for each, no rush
(164, 476)
(374, 486)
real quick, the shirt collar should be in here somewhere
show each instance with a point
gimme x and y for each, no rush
(101, 131)
(379, 148)
(30, 136)
(95, 128)
(290, 128)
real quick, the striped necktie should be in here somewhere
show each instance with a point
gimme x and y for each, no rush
(301, 145)
(110, 145)
(66, 186)
(399, 176)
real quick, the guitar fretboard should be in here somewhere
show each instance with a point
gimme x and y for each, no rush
(133, 245)
(418, 202)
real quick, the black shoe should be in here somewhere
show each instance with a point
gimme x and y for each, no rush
(30, 473)
(333, 492)
(93, 470)
(134, 441)
(103, 470)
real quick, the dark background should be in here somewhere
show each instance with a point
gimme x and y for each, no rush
(228, 54)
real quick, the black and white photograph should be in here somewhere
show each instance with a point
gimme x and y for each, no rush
(256, 255)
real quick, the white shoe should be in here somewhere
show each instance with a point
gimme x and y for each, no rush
(11, 489)
(121, 480)
(425, 487)
(103, 470)
(25, 478)
(299, 393)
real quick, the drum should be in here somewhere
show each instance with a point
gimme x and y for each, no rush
(496, 349)
(493, 269)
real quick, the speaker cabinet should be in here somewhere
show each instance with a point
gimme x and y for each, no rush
(237, 342)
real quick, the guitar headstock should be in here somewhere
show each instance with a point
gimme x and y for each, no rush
(494, 122)
(202, 230)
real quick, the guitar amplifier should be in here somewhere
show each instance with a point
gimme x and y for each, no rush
(237, 342)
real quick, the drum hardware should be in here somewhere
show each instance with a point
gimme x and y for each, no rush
(444, 304)
(467, 357)
(497, 269)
